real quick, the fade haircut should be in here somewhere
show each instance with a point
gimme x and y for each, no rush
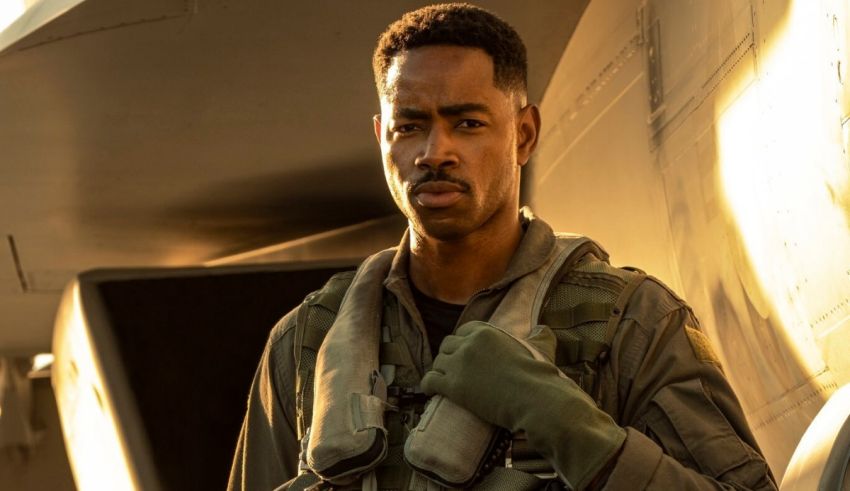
(455, 24)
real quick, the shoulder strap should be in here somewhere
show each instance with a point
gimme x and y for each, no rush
(519, 310)
(620, 308)
(587, 327)
(314, 318)
(585, 311)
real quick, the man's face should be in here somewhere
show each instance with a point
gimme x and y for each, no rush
(449, 140)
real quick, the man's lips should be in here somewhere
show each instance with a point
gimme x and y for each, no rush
(438, 194)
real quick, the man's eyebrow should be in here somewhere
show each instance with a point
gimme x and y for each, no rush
(469, 107)
(410, 113)
(451, 110)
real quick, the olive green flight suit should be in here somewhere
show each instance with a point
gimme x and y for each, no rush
(685, 427)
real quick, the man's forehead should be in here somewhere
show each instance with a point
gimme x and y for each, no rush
(413, 99)
(443, 53)
(445, 75)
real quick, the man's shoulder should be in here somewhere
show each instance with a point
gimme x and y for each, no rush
(649, 299)
(317, 310)
(655, 300)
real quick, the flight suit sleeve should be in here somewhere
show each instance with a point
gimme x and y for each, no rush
(267, 450)
(685, 427)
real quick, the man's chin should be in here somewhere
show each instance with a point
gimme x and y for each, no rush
(445, 229)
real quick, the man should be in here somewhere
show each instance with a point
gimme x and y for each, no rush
(643, 404)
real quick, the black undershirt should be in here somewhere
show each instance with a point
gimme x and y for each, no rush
(440, 317)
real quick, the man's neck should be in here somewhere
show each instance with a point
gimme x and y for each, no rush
(453, 271)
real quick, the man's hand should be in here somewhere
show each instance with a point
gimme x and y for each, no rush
(491, 374)
(483, 369)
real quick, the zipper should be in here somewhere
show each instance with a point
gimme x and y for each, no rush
(468, 303)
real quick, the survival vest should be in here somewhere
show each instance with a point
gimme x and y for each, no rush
(584, 307)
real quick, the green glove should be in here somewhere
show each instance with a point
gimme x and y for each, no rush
(492, 374)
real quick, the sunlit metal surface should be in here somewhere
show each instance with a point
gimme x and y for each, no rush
(10, 10)
(18, 18)
(723, 141)
(97, 443)
(354, 241)
(42, 361)
(820, 460)
(785, 174)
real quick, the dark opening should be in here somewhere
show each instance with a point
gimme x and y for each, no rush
(190, 346)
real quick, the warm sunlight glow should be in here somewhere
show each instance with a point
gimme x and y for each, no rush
(807, 463)
(42, 361)
(10, 10)
(784, 172)
(92, 436)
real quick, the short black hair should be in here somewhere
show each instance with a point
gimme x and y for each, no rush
(455, 24)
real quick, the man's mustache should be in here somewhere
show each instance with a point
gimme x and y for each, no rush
(440, 176)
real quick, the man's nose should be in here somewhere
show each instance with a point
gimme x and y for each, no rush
(439, 150)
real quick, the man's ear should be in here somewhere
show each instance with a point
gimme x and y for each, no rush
(528, 131)
(376, 122)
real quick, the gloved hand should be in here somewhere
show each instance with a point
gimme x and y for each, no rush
(491, 374)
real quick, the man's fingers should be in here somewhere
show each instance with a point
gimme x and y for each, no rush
(450, 344)
(472, 327)
(442, 363)
(432, 382)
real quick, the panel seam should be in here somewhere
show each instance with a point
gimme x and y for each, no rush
(16, 258)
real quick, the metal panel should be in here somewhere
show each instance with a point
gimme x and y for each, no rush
(89, 17)
(594, 173)
(691, 47)
(34, 17)
(744, 111)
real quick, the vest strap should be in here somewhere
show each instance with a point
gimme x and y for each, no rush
(574, 316)
(395, 353)
(620, 306)
(312, 337)
(347, 434)
(577, 350)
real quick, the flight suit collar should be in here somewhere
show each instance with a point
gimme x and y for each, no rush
(534, 248)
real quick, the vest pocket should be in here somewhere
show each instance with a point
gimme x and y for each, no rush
(450, 445)
(693, 430)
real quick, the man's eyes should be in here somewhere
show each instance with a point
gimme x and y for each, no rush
(470, 123)
(407, 128)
